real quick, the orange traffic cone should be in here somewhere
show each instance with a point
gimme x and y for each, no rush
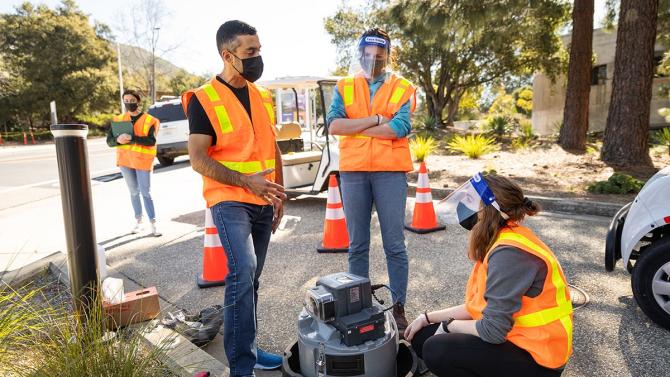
(2, 142)
(25, 139)
(335, 235)
(214, 261)
(424, 219)
(32, 137)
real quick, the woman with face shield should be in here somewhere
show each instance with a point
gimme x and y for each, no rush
(370, 113)
(517, 315)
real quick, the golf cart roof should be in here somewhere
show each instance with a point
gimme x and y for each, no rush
(296, 82)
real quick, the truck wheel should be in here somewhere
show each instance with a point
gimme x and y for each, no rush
(165, 161)
(651, 282)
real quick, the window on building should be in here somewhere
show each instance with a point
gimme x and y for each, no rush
(599, 74)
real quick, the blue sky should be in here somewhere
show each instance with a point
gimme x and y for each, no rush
(291, 31)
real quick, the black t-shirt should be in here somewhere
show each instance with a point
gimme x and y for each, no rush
(198, 122)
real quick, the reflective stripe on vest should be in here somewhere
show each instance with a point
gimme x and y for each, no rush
(267, 102)
(399, 91)
(138, 148)
(220, 110)
(543, 317)
(348, 91)
(248, 167)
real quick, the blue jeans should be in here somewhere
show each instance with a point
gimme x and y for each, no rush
(245, 231)
(139, 182)
(388, 192)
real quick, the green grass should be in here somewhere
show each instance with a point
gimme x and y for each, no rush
(473, 146)
(49, 340)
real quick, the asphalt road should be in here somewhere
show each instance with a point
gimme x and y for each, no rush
(612, 336)
(30, 173)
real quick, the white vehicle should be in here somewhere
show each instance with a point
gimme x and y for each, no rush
(309, 154)
(640, 234)
(172, 140)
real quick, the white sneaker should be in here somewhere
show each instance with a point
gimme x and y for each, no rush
(154, 230)
(137, 228)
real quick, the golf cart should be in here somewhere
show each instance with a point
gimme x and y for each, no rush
(640, 234)
(309, 154)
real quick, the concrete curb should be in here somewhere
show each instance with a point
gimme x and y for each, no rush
(22, 275)
(180, 355)
(570, 206)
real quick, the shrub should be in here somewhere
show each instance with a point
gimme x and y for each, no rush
(473, 146)
(525, 135)
(663, 137)
(96, 120)
(617, 183)
(62, 343)
(421, 147)
(498, 125)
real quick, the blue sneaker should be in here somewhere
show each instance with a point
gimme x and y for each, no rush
(267, 360)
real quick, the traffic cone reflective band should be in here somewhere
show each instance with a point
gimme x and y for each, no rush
(214, 261)
(424, 219)
(335, 236)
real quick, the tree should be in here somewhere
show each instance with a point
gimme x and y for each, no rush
(54, 54)
(627, 129)
(572, 136)
(184, 81)
(141, 28)
(450, 46)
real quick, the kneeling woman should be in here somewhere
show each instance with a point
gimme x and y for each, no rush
(517, 315)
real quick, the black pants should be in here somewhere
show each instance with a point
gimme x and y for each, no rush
(456, 355)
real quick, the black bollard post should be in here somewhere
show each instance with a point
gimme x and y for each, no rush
(75, 188)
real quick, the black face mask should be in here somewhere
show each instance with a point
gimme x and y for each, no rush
(467, 218)
(131, 106)
(252, 68)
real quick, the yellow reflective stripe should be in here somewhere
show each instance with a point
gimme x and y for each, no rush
(147, 124)
(138, 148)
(244, 167)
(397, 95)
(271, 112)
(211, 92)
(544, 317)
(224, 121)
(248, 167)
(563, 308)
(348, 91)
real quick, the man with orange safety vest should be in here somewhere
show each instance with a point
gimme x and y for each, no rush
(370, 112)
(135, 157)
(232, 145)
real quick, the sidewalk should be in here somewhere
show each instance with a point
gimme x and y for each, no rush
(32, 231)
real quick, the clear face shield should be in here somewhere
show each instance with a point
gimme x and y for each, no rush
(463, 205)
(370, 57)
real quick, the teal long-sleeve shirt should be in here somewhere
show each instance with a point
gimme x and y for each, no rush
(400, 123)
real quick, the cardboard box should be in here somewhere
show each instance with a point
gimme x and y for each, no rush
(137, 306)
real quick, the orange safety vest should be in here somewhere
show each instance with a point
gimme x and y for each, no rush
(242, 144)
(135, 156)
(365, 153)
(543, 325)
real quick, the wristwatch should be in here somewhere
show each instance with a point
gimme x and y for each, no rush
(445, 324)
